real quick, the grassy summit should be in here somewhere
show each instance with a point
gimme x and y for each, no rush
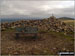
(54, 36)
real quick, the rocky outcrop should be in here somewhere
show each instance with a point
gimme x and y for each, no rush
(49, 24)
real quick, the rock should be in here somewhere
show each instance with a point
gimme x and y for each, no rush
(64, 49)
(57, 30)
(49, 24)
(54, 48)
(16, 53)
(65, 33)
(3, 29)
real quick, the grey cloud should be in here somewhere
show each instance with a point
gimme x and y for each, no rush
(36, 8)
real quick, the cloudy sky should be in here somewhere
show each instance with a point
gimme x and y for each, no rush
(14, 8)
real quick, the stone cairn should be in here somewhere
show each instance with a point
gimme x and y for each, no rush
(48, 24)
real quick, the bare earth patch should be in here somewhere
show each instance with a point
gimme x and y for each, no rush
(48, 43)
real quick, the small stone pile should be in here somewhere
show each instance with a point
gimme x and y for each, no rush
(49, 24)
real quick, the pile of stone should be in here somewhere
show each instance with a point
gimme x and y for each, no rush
(49, 24)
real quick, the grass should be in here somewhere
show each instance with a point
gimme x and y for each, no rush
(57, 36)
(69, 36)
(69, 22)
(42, 31)
(9, 30)
(61, 34)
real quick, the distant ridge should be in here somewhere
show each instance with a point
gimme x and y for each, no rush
(66, 18)
(17, 19)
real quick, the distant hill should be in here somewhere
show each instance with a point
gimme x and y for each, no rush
(17, 19)
(66, 18)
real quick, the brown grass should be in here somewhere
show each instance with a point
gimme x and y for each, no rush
(48, 43)
(69, 22)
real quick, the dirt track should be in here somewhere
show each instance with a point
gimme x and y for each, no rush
(47, 44)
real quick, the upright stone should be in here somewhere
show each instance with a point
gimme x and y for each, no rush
(52, 18)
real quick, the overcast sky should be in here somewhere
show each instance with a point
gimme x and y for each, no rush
(13, 8)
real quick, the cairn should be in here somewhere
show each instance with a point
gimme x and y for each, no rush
(49, 24)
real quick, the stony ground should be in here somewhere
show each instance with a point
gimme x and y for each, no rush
(48, 43)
